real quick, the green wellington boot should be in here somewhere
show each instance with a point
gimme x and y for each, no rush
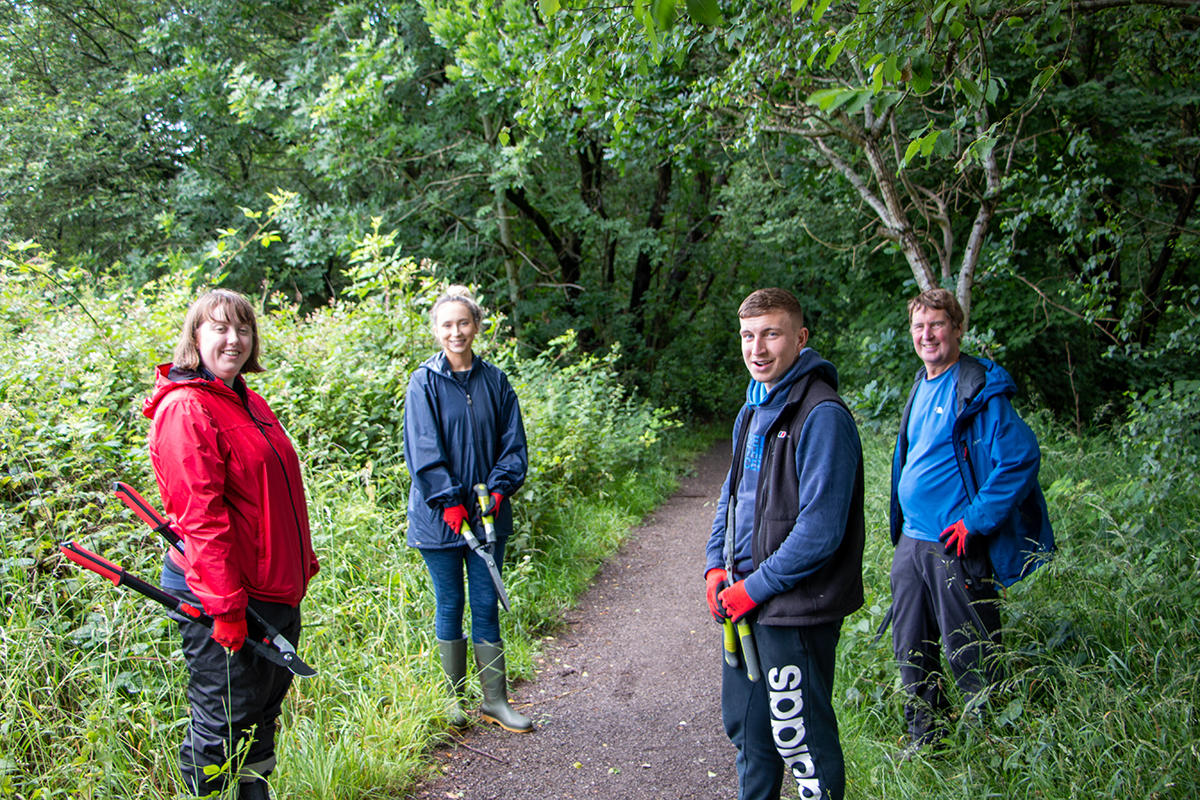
(454, 664)
(489, 657)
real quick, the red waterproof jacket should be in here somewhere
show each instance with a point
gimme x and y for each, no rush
(230, 480)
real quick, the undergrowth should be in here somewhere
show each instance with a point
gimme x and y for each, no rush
(92, 681)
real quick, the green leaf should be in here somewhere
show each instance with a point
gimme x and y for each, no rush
(820, 10)
(910, 151)
(549, 7)
(828, 99)
(705, 12)
(928, 141)
(663, 12)
(969, 88)
(922, 73)
(503, 136)
(798, 6)
(834, 52)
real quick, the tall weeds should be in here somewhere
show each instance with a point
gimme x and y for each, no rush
(92, 683)
(1102, 646)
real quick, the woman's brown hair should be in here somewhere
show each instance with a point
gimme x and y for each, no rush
(222, 305)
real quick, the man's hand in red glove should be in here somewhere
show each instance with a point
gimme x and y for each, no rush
(736, 602)
(455, 516)
(955, 539)
(230, 633)
(493, 507)
(717, 581)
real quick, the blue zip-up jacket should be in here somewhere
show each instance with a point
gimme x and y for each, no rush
(998, 458)
(827, 458)
(455, 436)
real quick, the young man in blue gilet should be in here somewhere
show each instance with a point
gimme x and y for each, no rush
(967, 516)
(785, 555)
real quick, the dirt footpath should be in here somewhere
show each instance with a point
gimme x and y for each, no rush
(627, 698)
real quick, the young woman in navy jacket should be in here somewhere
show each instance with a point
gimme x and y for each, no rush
(462, 427)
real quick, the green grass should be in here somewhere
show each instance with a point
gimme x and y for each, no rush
(1102, 650)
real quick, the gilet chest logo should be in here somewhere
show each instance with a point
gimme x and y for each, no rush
(788, 729)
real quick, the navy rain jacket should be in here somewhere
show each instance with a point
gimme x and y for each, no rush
(455, 436)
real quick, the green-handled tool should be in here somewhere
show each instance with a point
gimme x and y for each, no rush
(730, 644)
(489, 523)
(482, 551)
(744, 632)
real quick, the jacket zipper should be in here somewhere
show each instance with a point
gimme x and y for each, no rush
(287, 481)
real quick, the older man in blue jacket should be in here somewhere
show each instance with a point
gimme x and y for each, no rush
(967, 516)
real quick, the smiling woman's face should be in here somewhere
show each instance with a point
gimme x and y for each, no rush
(455, 329)
(224, 346)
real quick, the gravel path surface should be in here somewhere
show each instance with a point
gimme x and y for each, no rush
(627, 698)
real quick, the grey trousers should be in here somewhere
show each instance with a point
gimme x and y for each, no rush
(940, 605)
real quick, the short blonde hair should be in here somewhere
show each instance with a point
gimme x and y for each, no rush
(457, 294)
(227, 306)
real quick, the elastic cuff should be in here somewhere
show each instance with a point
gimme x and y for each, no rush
(233, 616)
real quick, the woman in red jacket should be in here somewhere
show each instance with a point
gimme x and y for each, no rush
(230, 480)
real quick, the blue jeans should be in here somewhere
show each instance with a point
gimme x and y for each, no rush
(446, 569)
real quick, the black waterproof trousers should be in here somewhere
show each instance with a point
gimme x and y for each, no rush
(235, 701)
(784, 723)
(936, 606)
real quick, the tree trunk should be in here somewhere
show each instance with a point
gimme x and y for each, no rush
(643, 270)
(511, 271)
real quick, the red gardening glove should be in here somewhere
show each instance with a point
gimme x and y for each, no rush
(736, 602)
(955, 539)
(717, 580)
(230, 633)
(455, 516)
(493, 507)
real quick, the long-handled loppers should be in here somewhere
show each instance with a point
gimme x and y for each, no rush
(120, 577)
(160, 524)
(744, 632)
(489, 531)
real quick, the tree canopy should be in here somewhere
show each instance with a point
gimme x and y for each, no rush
(632, 170)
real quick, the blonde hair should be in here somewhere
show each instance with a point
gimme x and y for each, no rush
(231, 307)
(457, 294)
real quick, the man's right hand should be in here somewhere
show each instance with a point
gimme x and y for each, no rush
(455, 516)
(717, 581)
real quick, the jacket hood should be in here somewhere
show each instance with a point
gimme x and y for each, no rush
(168, 378)
(996, 382)
(808, 361)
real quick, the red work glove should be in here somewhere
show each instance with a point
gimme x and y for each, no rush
(493, 507)
(717, 579)
(455, 516)
(955, 539)
(230, 633)
(736, 602)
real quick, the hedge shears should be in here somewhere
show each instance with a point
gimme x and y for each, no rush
(273, 642)
(485, 552)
